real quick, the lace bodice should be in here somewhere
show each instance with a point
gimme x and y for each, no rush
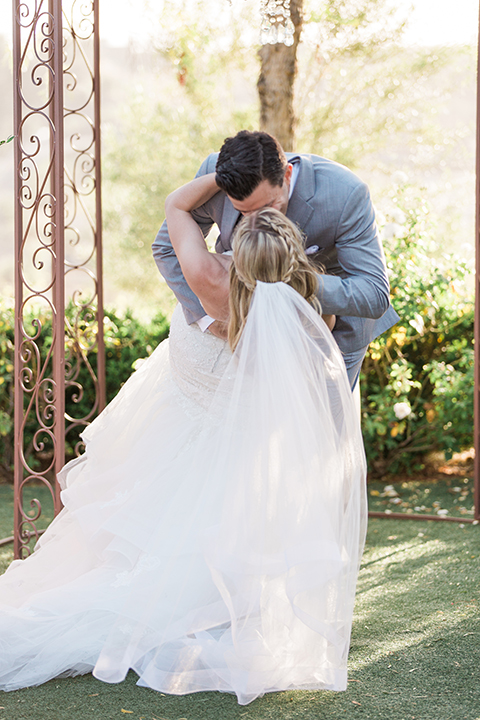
(197, 360)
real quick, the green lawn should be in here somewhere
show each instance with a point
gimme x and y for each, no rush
(415, 642)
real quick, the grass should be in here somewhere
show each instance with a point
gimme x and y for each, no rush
(444, 495)
(415, 638)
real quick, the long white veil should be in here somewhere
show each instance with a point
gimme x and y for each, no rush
(290, 447)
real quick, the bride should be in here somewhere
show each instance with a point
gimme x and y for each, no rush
(212, 531)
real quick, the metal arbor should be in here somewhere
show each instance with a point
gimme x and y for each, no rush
(58, 243)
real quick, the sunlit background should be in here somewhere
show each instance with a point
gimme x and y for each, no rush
(429, 23)
(435, 147)
(387, 89)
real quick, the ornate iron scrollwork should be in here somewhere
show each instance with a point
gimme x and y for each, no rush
(58, 244)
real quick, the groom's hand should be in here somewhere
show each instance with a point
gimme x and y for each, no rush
(219, 328)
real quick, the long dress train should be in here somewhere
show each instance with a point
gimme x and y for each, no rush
(212, 531)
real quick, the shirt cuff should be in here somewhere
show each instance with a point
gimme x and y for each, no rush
(205, 322)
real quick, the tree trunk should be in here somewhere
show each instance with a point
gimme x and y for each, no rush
(276, 81)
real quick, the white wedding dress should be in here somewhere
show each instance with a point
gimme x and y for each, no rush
(212, 531)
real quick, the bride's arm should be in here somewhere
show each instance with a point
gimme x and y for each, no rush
(206, 273)
(330, 320)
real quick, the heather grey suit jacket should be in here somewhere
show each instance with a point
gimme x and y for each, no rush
(333, 208)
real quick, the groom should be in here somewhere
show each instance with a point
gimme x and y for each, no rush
(331, 206)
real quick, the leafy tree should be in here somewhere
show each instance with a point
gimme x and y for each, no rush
(278, 69)
(332, 29)
(358, 95)
(203, 94)
(374, 109)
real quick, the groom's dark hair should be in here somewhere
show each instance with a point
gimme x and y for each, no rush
(247, 159)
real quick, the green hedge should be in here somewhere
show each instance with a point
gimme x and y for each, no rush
(417, 380)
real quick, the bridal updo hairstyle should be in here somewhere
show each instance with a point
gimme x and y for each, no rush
(268, 247)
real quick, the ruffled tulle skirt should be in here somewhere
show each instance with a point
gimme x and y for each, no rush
(211, 533)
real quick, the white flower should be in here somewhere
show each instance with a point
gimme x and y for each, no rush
(402, 410)
(391, 230)
(398, 216)
(442, 512)
(418, 324)
(138, 363)
(389, 491)
(399, 177)
(467, 249)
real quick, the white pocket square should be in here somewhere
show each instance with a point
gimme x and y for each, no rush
(312, 249)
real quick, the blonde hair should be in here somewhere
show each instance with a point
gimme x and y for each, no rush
(268, 247)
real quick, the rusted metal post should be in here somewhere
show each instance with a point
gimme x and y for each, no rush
(476, 400)
(102, 399)
(18, 395)
(38, 256)
(58, 320)
(57, 243)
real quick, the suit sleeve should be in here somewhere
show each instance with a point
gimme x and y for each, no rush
(167, 262)
(365, 291)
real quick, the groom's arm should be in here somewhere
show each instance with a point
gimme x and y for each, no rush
(365, 291)
(167, 261)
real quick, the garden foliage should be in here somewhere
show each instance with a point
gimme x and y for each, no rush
(417, 379)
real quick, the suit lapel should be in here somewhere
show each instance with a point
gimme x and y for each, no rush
(299, 209)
